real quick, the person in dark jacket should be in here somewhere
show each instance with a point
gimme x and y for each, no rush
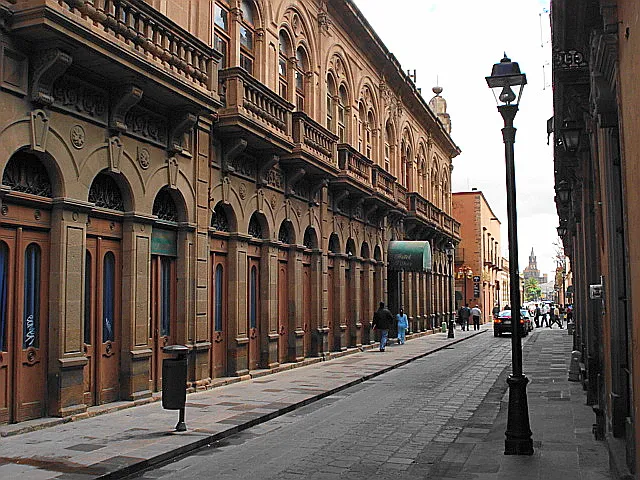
(382, 320)
(463, 315)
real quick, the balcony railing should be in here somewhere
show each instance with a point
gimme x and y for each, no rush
(145, 30)
(353, 164)
(313, 139)
(383, 182)
(249, 98)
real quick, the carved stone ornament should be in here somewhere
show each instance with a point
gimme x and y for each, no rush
(39, 130)
(127, 98)
(273, 202)
(173, 167)
(242, 191)
(115, 153)
(260, 200)
(144, 158)
(47, 67)
(226, 189)
(184, 125)
(77, 136)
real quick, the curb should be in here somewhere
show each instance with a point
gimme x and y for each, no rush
(187, 449)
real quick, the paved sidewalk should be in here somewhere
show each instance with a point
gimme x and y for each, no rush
(115, 444)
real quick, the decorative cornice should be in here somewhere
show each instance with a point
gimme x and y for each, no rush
(49, 65)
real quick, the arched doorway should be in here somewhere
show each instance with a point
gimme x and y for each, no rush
(365, 293)
(350, 279)
(332, 281)
(164, 307)
(285, 237)
(311, 300)
(257, 230)
(221, 226)
(103, 293)
(24, 272)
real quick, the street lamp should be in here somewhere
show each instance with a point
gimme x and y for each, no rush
(449, 249)
(465, 273)
(504, 76)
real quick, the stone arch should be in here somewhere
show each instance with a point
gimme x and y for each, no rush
(334, 243)
(364, 250)
(286, 233)
(377, 253)
(25, 172)
(258, 227)
(335, 62)
(223, 218)
(310, 239)
(350, 248)
(169, 205)
(159, 180)
(105, 189)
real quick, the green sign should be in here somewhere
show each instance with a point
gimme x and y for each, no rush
(409, 256)
(163, 242)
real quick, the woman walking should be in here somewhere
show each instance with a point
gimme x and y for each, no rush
(403, 324)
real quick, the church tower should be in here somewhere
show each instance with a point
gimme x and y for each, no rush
(532, 268)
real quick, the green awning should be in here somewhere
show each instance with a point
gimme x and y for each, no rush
(410, 256)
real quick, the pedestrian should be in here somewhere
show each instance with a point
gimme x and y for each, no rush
(537, 314)
(555, 316)
(475, 314)
(463, 315)
(403, 324)
(544, 311)
(496, 311)
(382, 321)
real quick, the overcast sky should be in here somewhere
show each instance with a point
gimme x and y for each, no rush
(454, 43)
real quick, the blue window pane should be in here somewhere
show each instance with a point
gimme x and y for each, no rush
(31, 314)
(108, 299)
(87, 299)
(165, 293)
(4, 264)
(253, 290)
(218, 307)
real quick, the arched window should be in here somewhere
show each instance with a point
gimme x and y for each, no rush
(331, 95)
(218, 305)
(31, 315)
(4, 277)
(219, 220)
(361, 126)
(302, 66)
(388, 142)
(221, 33)
(105, 193)
(247, 34)
(255, 229)
(283, 64)
(369, 127)
(408, 168)
(25, 173)
(164, 207)
(342, 115)
(108, 297)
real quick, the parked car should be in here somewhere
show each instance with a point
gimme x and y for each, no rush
(502, 324)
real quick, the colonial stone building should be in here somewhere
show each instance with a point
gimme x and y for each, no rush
(596, 46)
(225, 175)
(532, 271)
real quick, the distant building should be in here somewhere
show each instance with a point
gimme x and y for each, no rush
(532, 270)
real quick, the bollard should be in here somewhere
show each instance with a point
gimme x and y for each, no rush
(571, 328)
(443, 327)
(574, 367)
(174, 382)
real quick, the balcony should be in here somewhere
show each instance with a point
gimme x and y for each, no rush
(314, 147)
(254, 112)
(384, 184)
(424, 212)
(123, 39)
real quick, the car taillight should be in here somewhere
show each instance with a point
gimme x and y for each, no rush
(521, 321)
(497, 320)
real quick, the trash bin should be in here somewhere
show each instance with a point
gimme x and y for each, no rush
(174, 381)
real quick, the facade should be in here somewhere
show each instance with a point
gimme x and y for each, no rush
(224, 175)
(531, 270)
(597, 146)
(478, 264)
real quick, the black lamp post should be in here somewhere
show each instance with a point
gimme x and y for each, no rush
(504, 76)
(449, 249)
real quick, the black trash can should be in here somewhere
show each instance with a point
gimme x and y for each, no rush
(174, 381)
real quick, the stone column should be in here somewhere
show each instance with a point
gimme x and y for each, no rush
(296, 332)
(340, 300)
(268, 316)
(238, 360)
(66, 309)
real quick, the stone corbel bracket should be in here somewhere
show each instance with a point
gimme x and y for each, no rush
(338, 197)
(293, 178)
(129, 96)
(324, 183)
(230, 152)
(185, 123)
(263, 170)
(48, 67)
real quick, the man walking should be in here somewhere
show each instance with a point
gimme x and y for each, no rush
(463, 315)
(475, 314)
(537, 314)
(496, 311)
(382, 320)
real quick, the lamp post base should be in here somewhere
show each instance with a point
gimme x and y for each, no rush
(450, 334)
(518, 441)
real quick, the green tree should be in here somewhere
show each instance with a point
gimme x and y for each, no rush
(532, 290)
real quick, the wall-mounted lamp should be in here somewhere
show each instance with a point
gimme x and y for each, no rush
(562, 231)
(563, 190)
(570, 133)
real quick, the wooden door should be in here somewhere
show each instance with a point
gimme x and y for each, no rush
(330, 322)
(219, 316)
(283, 312)
(306, 307)
(102, 320)
(253, 312)
(24, 275)
(163, 312)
